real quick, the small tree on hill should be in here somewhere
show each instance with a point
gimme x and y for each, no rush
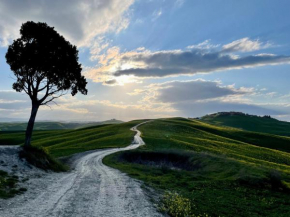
(45, 66)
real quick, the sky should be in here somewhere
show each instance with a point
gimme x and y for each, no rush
(160, 58)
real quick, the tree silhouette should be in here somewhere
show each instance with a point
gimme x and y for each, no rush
(45, 66)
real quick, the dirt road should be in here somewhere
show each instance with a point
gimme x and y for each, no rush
(91, 189)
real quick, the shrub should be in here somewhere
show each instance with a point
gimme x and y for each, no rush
(176, 205)
(39, 157)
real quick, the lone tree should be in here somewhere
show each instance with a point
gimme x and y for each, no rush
(45, 66)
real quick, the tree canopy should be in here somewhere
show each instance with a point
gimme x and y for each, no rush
(45, 64)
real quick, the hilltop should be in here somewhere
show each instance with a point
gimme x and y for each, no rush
(54, 125)
(262, 124)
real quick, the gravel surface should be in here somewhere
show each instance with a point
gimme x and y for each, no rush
(90, 189)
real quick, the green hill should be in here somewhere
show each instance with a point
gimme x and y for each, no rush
(201, 169)
(211, 170)
(254, 123)
(20, 126)
(61, 143)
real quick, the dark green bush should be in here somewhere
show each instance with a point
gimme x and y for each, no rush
(39, 157)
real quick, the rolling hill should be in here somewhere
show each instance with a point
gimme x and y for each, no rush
(61, 143)
(264, 124)
(208, 170)
(201, 169)
(21, 126)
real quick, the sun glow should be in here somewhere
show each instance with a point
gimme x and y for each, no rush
(125, 79)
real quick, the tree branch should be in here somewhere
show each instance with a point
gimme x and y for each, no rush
(52, 98)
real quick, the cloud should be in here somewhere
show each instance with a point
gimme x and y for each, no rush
(193, 90)
(170, 94)
(82, 108)
(7, 96)
(110, 82)
(90, 110)
(205, 45)
(204, 57)
(192, 109)
(175, 98)
(156, 14)
(195, 98)
(245, 45)
(176, 62)
(79, 21)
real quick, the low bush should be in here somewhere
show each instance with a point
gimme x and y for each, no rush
(39, 157)
(176, 205)
(8, 185)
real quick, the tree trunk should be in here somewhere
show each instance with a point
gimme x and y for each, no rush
(30, 125)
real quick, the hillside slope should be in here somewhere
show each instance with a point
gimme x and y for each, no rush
(211, 170)
(61, 143)
(20, 126)
(254, 123)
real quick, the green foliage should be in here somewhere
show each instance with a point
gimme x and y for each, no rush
(39, 157)
(249, 122)
(40, 56)
(8, 185)
(176, 205)
(217, 169)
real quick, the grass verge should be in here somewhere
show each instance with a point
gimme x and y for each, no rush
(8, 185)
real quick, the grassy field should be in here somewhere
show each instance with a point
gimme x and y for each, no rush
(249, 122)
(201, 169)
(211, 170)
(60, 143)
(19, 126)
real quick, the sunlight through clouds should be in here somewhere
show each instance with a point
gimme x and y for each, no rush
(160, 58)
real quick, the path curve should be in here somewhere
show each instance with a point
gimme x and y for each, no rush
(91, 189)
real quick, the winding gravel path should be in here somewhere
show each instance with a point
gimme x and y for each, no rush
(91, 189)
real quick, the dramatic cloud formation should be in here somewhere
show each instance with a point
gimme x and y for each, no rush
(200, 97)
(201, 58)
(166, 63)
(130, 57)
(79, 21)
(175, 98)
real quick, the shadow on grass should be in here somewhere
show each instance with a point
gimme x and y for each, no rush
(177, 160)
(206, 166)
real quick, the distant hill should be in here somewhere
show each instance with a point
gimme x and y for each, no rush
(265, 124)
(46, 125)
